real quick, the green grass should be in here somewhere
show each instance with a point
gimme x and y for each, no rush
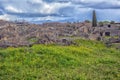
(108, 37)
(88, 60)
(116, 45)
(33, 40)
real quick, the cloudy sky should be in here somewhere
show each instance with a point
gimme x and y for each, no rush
(59, 10)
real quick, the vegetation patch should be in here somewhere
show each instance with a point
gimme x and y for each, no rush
(88, 60)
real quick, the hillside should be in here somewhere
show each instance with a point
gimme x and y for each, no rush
(88, 60)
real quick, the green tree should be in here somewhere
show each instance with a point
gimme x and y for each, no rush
(112, 22)
(87, 21)
(101, 23)
(94, 20)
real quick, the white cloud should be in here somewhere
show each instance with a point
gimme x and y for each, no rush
(13, 9)
(72, 8)
(4, 17)
(37, 1)
(48, 8)
(51, 18)
(7, 17)
(52, 7)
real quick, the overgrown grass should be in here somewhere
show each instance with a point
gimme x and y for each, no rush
(89, 60)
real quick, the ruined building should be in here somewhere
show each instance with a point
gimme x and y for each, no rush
(104, 31)
(22, 33)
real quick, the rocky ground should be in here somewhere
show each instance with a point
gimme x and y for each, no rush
(26, 34)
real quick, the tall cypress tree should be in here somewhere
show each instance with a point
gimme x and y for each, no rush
(94, 20)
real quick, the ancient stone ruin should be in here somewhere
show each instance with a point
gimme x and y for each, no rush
(26, 34)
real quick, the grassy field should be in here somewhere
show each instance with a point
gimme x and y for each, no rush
(88, 60)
